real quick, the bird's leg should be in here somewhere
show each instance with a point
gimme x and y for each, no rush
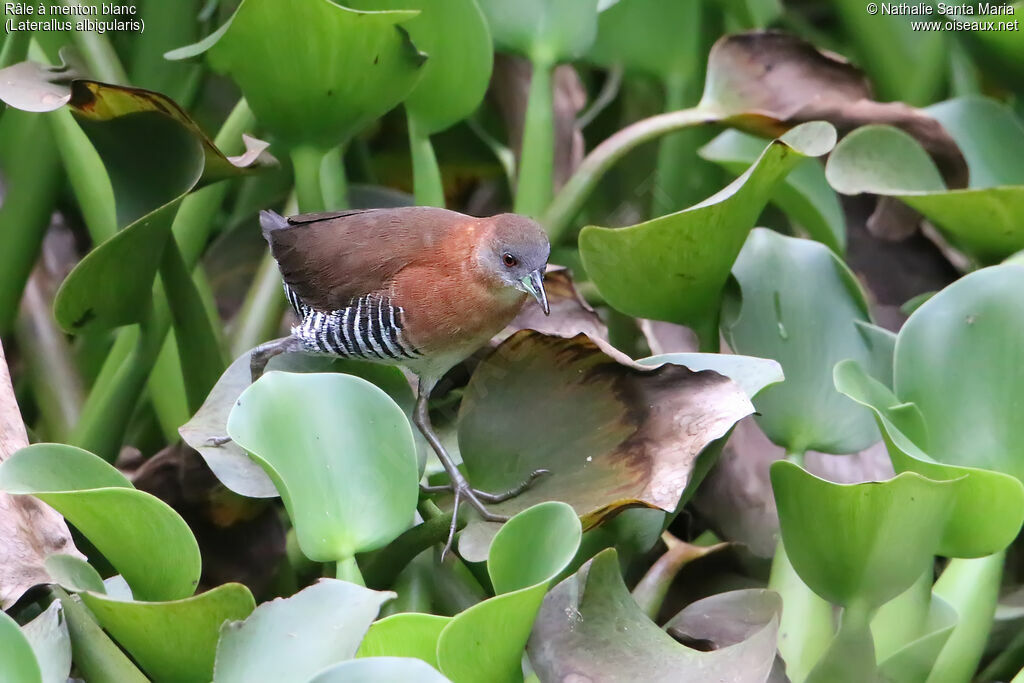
(459, 485)
(262, 354)
(258, 359)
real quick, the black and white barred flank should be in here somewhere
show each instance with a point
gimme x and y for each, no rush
(369, 328)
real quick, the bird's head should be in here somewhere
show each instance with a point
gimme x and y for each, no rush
(515, 255)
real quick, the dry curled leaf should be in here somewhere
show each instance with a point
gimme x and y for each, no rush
(30, 531)
(612, 433)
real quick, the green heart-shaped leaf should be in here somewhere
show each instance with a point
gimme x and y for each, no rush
(291, 639)
(805, 195)
(340, 452)
(229, 462)
(545, 31)
(807, 330)
(145, 540)
(860, 544)
(988, 508)
(457, 72)
(173, 641)
(979, 220)
(529, 551)
(313, 71)
(959, 361)
(609, 432)
(590, 627)
(409, 634)
(674, 267)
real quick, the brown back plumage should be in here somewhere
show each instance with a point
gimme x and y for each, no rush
(330, 258)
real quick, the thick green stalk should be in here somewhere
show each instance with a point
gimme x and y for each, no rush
(677, 186)
(307, 162)
(348, 570)
(124, 373)
(95, 655)
(537, 161)
(31, 171)
(333, 180)
(805, 629)
(260, 315)
(15, 48)
(851, 654)
(97, 51)
(177, 26)
(972, 588)
(650, 592)
(202, 361)
(903, 619)
(166, 390)
(384, 565)
(570, 198)
(426, 174)
(55, 380)
(87, 176)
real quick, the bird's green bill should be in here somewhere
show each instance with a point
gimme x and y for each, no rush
(533, 284)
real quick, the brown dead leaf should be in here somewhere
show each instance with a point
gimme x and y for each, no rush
(768, 81)
(30, 530)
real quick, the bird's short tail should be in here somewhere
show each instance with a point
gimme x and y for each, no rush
(271, 221)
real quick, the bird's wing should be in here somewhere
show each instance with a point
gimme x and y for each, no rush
(328, 259)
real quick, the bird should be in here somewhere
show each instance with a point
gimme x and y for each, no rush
(419, 287)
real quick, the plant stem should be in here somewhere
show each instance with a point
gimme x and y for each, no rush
(972, 588)
(97, 51)
(650, 592)
(536, 166)
(570, 198)
(806, 628)
(306, 162)
(334, 179)
(426, 175)
(97, 657)
(348, 570)
(260, 315)
(674, 187)
(383, 566)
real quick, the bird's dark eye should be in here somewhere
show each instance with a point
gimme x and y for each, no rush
(509, 260)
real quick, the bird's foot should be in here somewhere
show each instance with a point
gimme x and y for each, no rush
(477, 500)
(218, 441)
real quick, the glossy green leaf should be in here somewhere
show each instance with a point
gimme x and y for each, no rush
(650, 36)
(675, 267)
(90, 298)
(47, 634)
(890, 532)
(590, 627)
(805, 195)
(750, 373)
(291, 639)
(545, 31)
(913, 662)
(145, 540)
(807, 330)
(457, 71)
(971, 586)
(409, 634)
(19, 661)
(990, 135)
(229, 463)
(173, 641)
(973, 327)
(341, 453)
(74, 574)
(313, 71)
(529, 551)
(380, 670)
(979, 220)
(988, 507)
(548, 402)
